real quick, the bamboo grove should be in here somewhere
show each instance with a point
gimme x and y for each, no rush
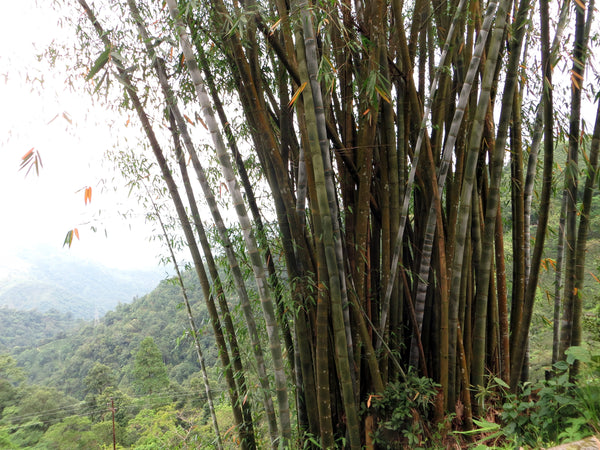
(384, 132)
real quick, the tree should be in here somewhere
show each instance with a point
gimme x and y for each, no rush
(10, 377)
(72, 432)
(161, 428)
(99, 378)
(149, 370)
(36, 408)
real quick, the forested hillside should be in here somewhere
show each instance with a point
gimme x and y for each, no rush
(64, 361)
(63, 381)
(26, 329)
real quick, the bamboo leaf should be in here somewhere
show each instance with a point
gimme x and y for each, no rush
(27, 155)
(575, 74)
(87, 196)
(116, 56)
(574, 81)
(546, 321)
(383, 94)
(30, 160)
(99, 84)
(99, 64)
(274, 26)
(297, 94)
(580, 4)
(68, 238)
(202, 122)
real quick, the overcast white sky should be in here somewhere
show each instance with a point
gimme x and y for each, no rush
(40, 210)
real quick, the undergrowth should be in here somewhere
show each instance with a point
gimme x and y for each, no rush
(554, 411)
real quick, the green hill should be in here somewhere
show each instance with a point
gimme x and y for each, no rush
(64, 361)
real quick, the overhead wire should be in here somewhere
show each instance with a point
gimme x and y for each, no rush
(141, 402)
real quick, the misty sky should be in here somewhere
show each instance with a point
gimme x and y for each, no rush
(41, 209)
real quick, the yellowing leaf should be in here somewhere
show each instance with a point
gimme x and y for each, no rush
(373, 397)
(27, 155)
(87, 195)
(297, 94)
(30, 160)
(274, 26)
(202, 122)
(69, 237)
(330, 64)
(383, 94)
(188, 120)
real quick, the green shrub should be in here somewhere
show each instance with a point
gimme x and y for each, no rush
(402, 411)
(556, 410)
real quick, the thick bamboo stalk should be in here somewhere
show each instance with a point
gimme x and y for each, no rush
(446, 161)
(571, 180)
(469, 179)
(306, 55)
(497, 158)
(584, 217)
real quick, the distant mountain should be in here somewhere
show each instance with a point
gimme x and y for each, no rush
(45, 279)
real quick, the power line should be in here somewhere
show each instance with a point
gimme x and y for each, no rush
(140, 402)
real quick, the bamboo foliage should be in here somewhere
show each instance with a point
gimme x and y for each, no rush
(371, 142)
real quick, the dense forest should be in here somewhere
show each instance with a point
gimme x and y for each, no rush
(373, 197)
(57, 385)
